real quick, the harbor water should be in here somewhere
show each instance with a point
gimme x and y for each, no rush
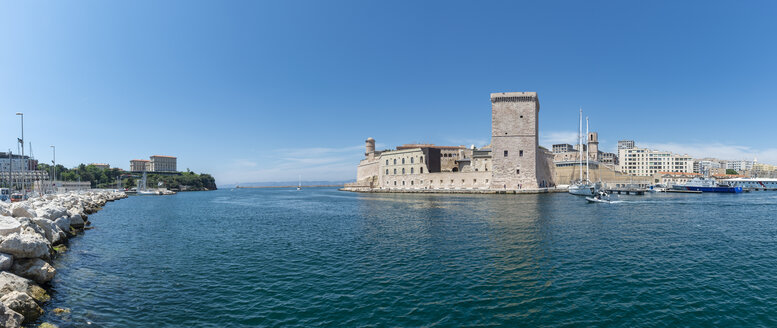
(323, 257)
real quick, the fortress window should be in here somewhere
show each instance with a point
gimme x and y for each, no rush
(412, 159)
(505, 153)
(403, 170)
(395, 183)
(411, 182)
(421, 159)
(520, 153)
(521, 116)
(476, 170)
(386, 171)
(403, 183)
(395, 161)
(411, 170)
(518, 171)
(395, 171)
(403, 161)
(474, 180)
(420, 170)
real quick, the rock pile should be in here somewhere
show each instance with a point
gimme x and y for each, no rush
(29, 233)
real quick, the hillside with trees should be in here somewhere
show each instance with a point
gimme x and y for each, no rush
(106, 178)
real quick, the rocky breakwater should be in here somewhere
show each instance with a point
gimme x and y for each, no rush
(32, 232)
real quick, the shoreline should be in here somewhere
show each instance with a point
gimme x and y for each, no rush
(455, 191)
(32, 234)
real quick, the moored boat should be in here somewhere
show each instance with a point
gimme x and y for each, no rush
(707, 185)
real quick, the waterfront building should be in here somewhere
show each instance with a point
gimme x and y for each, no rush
(140, 165)
(566, 155)
(16, 161)
(157, 163)
(674, 178)
(705, 166)
(160, 163)
(513, 161)
(646, 162)
(761, 170)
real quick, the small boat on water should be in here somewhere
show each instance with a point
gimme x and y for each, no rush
(657, 188)
(584, 186)
(601, 197)
(706, 185)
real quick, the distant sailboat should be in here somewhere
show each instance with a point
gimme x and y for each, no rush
(583, 187)
(299, 186)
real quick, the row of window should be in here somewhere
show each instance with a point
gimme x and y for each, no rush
(520, 153)
(412, 160)
(412, 170)
(431, 182)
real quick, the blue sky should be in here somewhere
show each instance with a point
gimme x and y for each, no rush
(266, 91)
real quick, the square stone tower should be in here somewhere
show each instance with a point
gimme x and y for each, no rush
(514, 142)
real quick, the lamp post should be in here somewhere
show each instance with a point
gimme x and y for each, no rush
(24, 169)
(53, 166)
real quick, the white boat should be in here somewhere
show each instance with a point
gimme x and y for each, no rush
(299, 186)
(583, 187)
(657, 188)
(597, 200)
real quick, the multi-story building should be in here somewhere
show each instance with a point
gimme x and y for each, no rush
(140, 165)
(566, 155)
(16, 162)
(647, 162)
(563, 148)
(158, 163)
(740, 165)
(625, 144)
(100, 165)
(161, 163)
(705, 166)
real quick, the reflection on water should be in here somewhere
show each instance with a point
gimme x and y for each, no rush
(279, 257)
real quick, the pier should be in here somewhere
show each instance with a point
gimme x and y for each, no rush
(625, 191)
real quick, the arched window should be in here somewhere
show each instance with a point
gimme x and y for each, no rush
(412, 160)
(455, 169)
(421, 159)
(421, 170)
(395, 171)
(386, 171)
(403, 170)
(411, 170)
(386, 162)
(395, 161)
(403, 161)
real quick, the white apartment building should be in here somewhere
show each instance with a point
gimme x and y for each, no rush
(647, 162)
(704, 167)
(740, 165)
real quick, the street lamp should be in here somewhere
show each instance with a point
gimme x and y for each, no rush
(53, 166)
(24, 169)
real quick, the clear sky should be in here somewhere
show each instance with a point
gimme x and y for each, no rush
(266, 91)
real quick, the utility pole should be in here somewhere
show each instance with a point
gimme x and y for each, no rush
(24, 187)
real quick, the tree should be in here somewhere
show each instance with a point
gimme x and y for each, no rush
(731, 171)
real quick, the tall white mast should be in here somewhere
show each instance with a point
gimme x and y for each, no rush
(580, 144)
(586, 149)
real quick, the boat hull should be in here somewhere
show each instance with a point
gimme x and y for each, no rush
(732, 190)
(582, 190)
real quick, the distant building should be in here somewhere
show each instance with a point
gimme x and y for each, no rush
(161, 163)
(16, 162)
(158, 163)
(569, 155)
(100, 165)
(740, 165)
(647, 162)
(140, 165)
(705, 166)
(625, 144)
(674, 178)
(563, 148)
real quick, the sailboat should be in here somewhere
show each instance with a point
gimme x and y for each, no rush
(583, 187)
(144, 190)
(299, 186)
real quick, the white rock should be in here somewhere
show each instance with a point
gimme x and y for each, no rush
(34, 269)
(22, 304)
(63, 223)
(9, 318)
(6, 260)
(76, 221)
(51, 211)
(22, 210)
(9, 225)
(25, 245)
(53, 233)
(5, 209)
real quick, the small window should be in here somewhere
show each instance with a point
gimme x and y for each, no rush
(412, 159)
(386, 171)
(403, 161)
(476, 170)
(421, 170)
(403, 170)
(518, 171)
(505, 153)
(386, 162)
(411, 182)
(474, 180)
(403, 183)
(395, 183)
(395, 171)
(421, 159)
(521, 116)
(520, 153)
(411, 170)
(395, 161)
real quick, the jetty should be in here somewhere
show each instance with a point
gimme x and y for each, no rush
(32, 233)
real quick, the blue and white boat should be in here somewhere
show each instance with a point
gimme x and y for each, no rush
(706, 185)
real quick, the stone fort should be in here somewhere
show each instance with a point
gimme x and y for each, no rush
(513, 161)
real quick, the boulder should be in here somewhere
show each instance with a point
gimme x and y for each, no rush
(6, 260)
(22, 304)
(29, 227)
(22, 210)
(76, 221)
(53, 233)
(5, 209)
(25, 245)
(63, 223)
(9, 225)
(9, 318)
(10, 282)
(35, 269)
(51, 211)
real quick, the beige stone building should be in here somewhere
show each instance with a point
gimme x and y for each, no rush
(140, 165)
(160, 163)
(647, 162)
(513, 161)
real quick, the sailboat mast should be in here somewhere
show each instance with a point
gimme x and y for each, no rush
(586, 149)
(580, 144)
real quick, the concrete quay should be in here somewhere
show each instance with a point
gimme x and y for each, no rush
(457, 191)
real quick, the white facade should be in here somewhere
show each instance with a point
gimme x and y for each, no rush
(646, 162)
(739, 165)
(705, 167)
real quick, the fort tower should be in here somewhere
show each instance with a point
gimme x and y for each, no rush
(514, 144)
